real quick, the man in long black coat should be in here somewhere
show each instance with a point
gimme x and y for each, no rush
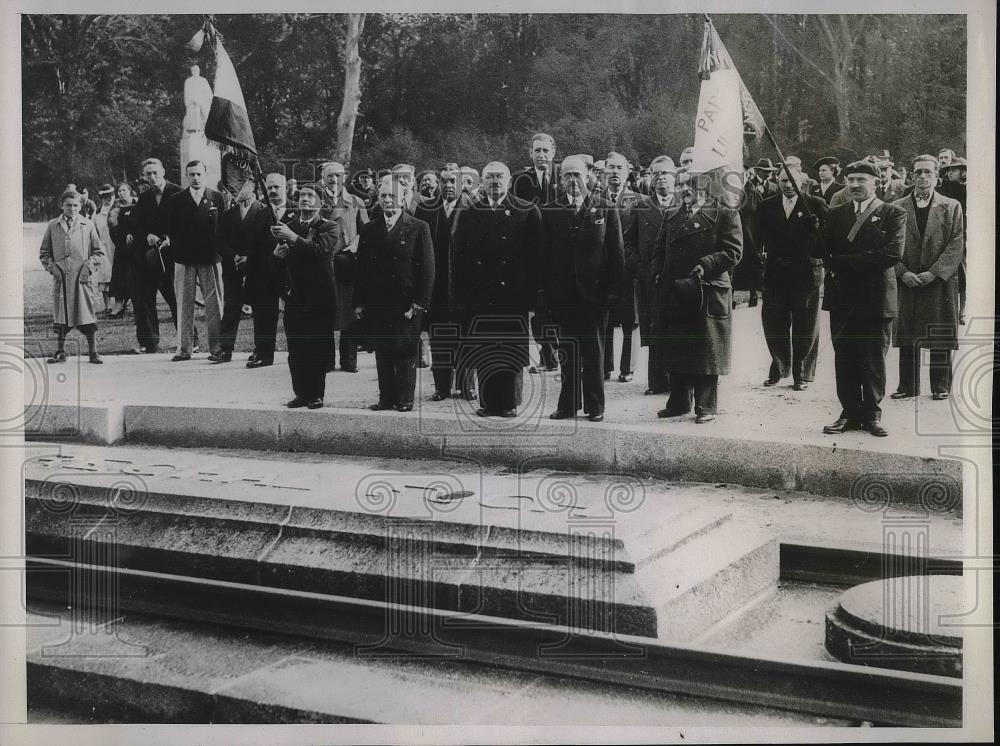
(496, 284)
(640, 245)
(699, 245)
(584, 275)
(793, 277)
(864, 241)
(153, 267)
(444, 320)
(392, 290)
(304, 254)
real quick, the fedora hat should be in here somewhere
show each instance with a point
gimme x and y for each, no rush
(764, 164)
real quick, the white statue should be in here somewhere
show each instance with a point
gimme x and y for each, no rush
(197, 101)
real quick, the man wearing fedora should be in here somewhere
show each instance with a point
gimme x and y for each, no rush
(862, 243)
(827, 170)
(927, 278)
(762, 180)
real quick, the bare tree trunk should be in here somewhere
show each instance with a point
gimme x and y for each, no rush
(352, 88)
(842, 96)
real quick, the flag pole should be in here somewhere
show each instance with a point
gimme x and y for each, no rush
(774, 144)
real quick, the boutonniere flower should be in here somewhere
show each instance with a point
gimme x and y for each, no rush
(697, 226)
(593, 209)
(798, 214)
(875, 219)
(507, 213)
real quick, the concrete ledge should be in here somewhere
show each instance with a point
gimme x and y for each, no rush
(869, 477)
(102, 424)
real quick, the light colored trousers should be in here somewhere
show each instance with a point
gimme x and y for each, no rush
(186, 278)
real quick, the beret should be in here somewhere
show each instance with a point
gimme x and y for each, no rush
(861, 167)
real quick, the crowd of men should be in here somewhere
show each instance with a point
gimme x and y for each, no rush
(559, 253)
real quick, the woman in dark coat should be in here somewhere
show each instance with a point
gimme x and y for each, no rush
(121, 223)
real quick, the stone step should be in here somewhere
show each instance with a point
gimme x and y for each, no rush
(860, 473)
(545, 547)
(142, 669)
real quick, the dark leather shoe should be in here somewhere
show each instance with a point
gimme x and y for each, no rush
(483, 412)
(624, 378)
(665, 413)
(533, 370)
(439, 396)
(349, 370)
(596, 416)
(940, 395)
(96, 359)
(800, 385)
(771, 381)
(561, 414)
(179, 358)
(900, 395)
(315, 404)
(259, 363)
(57, 357)
(221, 357)
(701, 419)
(253, 357)
(136, 350)
(295, 403)
(403, 407)
(379, 406)
(842, 425)
(508, 414)
(876, 429)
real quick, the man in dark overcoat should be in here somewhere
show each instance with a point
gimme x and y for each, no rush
(640, 245)
(863, 240)
(793, 278)
(444, 321)
(927, 281)
(153, 267)
(496, 284)
(698, 247)
(584, 275)
(392, 290)
(304, 253)
(625, 314)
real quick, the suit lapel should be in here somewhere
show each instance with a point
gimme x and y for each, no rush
(863, 218)
(911, 219)
(933, 218)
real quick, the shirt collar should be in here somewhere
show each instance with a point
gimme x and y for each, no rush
(390, 222)
(865, 204)
(928, 198)
(196, 194)
(665, 201)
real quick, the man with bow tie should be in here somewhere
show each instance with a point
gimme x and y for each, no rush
(392, 290)
(304, 255)
(496, 285)
(152, 259)
(194, 238)
(537, 184)
(793, 277)
(583, 276)
(699, 245)
(862, 241)
(928, 281)
(640, 242)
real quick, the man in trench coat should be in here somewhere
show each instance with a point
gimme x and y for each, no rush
(71, 252)
(927, 282)
(699, 245)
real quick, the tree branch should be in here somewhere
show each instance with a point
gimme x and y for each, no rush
(802, 55)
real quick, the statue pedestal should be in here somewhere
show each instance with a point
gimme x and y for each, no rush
(195, 147)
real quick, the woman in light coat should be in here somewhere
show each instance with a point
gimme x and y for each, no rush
(71, 252)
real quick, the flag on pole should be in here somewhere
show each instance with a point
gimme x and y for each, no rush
(726, 113)
(228, 123)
